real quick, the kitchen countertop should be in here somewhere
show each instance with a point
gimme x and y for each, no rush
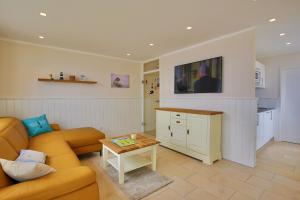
(260, 110)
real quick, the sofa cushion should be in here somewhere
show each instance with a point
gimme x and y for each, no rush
(48, 137)
(51, 148)
(11, 130)
(31, 156)
(37, 125)
(79, 137)
(24, 171)
(87, 149)
(63, 161)
(52, 186)
(9, 153)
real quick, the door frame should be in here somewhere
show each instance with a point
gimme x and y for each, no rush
(282, 69)
(143, 99)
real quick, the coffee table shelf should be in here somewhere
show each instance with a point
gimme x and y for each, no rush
(130, 163)
(126, 159)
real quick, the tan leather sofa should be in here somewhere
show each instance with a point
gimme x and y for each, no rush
(70, 181)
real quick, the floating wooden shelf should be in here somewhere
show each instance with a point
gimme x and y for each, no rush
(67, 81)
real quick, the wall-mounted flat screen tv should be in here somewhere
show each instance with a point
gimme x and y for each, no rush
(199, 77)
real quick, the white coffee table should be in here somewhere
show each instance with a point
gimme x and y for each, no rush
(126, 159)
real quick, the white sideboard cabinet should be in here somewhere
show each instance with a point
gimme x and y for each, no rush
(196, 133)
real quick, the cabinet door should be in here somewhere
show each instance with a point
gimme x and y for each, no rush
(198, 133)
(163, 126)
(269, 126)
(178, 135)
(260, 137)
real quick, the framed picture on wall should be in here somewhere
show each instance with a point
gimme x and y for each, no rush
(119, 81)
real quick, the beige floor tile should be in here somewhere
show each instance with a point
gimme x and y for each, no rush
(240, 186)
(181, 186)
(239, 196)
(200, 194)
(273, 196)
(287, 182)
(213, 188)
(285, 191)
(259, 182)
(167, 194)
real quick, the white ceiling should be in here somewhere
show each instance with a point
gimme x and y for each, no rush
(117, 27)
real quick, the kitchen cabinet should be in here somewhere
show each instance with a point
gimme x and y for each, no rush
(192, 132)
(265, 128)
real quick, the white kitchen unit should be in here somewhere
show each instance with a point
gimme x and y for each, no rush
(196, 133)
(265, 127)
(260, 75)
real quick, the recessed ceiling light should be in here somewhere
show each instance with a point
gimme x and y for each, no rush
(288, 43)
(189, 28)
(272, 20)
(151, 44)
(128, 54)
(282, 34)
(41, 37)
(43, 14)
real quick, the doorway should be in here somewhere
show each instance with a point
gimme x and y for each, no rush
(151, 96)
(290, 108)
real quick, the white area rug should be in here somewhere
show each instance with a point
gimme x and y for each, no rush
(140, 182)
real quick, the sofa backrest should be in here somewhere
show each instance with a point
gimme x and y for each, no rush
(13, 138)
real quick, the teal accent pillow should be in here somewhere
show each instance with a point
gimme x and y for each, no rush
(37, 125)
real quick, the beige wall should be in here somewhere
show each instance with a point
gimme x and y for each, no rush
(273, 66)
(238, 54)
(21, 65)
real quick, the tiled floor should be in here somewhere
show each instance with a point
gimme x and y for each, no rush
(276, 177)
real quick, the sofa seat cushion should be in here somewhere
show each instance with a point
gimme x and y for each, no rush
(82, 136)
(51, 148)
(47, 137)
(63, 161)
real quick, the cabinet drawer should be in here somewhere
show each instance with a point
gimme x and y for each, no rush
(178, 115)
(178, 122)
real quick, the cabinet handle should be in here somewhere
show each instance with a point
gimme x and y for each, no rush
(169, 127)
(271, 115)
(171, 134)
(188, 131)
(178, 122)
(178, 115)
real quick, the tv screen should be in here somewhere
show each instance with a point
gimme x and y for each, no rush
(199, 77)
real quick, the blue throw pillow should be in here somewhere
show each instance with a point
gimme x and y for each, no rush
(37, 125)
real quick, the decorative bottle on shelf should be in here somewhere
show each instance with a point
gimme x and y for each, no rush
(61, 76)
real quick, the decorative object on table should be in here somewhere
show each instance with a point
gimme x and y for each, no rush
(123, 142)
(72, 77)
(61, 76)
(133, 136)
(119, 81)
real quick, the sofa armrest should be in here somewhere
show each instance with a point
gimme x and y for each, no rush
(50, 186)
(55, 127)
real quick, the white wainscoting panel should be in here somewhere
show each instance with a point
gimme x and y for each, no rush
(113, 116)
(238, 124)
